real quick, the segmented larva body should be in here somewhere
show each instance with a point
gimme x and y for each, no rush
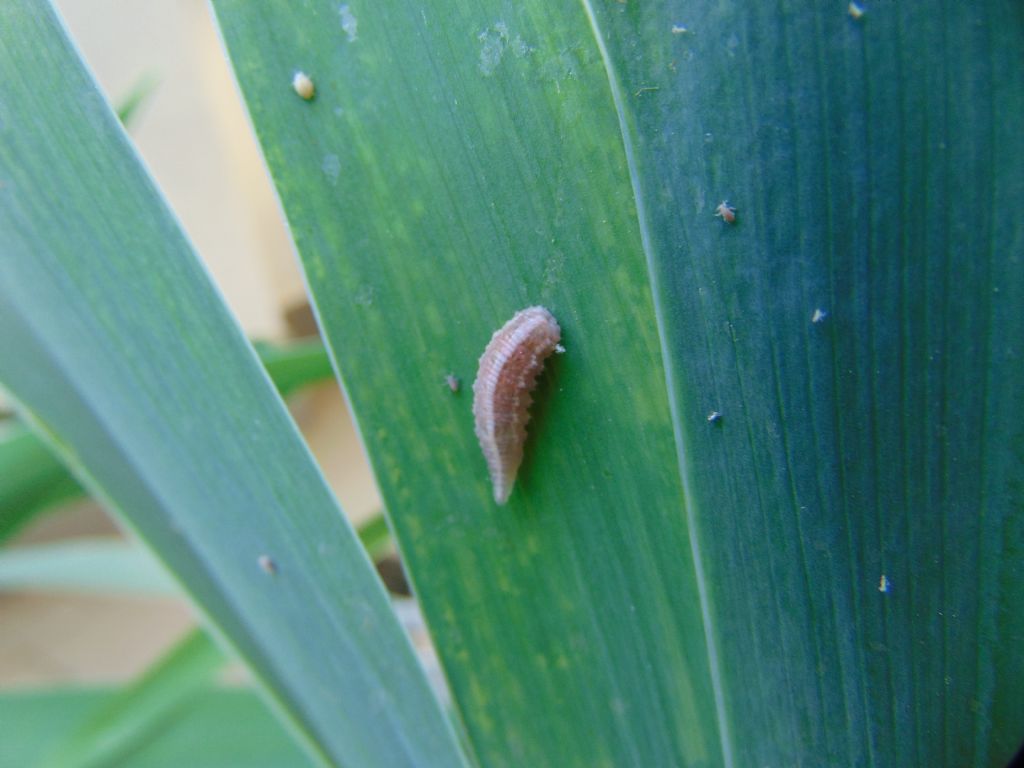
(508, 372)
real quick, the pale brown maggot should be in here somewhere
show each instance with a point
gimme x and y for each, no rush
(507, 374)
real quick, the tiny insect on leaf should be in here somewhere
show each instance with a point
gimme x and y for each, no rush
(726, 212)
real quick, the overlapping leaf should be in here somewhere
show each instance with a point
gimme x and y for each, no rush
(825, 572)
(118, 346)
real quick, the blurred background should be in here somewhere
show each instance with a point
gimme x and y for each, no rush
(192, 132)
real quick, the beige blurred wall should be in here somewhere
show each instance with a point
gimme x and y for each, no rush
(193, 134)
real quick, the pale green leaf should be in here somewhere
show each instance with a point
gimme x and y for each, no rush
(115, 566)
(101, 566)
(230, 727)
(138, 714)
(122, 352)
(32, 479)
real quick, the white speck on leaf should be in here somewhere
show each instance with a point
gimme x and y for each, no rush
(714, 417)
(364, 296)
(348, 22)
(495, 43)
(267, 565)
(856, 10)
(331, 166)
(819, 315)
(679, 29)
(884, 584)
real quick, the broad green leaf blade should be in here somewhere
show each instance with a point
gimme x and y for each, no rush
(232, 727)
(138, 714)
(121, 350)
(858, 505)
(106, 566)
(460, 162)
(32, 479)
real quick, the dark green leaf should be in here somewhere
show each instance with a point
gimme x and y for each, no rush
(858, 506)
(32, 479)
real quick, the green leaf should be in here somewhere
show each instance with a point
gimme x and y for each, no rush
(138, 714)
(858, 506)
(115, 566)
(142, 712)
(457, 164)
(33, 480)
(128, 107)
(375, 537)
(229, 727)
(121, 350)
(664, 588)
(295, 364)
(105, 566)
